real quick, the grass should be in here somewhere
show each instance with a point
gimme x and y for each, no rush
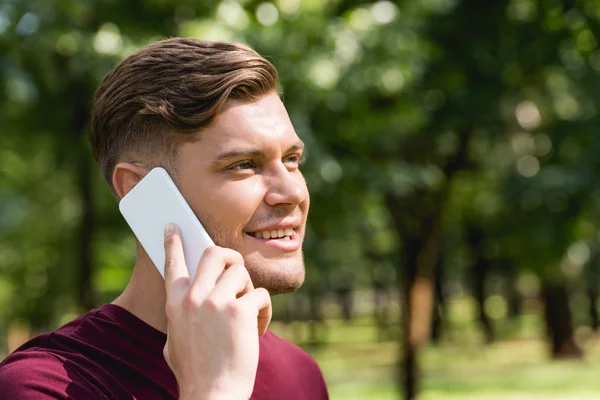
(357, 367)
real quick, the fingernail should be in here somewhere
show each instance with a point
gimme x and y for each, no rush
(169, 229)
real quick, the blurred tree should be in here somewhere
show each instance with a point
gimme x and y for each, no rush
(422, 135)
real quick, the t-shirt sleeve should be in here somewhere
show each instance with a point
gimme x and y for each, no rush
(315, 376)
(40, 376)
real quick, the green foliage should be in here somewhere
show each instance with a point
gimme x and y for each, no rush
(383, 94)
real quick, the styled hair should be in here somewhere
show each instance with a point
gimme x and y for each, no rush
(163, 95)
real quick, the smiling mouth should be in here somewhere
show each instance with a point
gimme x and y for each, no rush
(280, 234)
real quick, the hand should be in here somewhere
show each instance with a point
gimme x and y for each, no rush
(213, 322)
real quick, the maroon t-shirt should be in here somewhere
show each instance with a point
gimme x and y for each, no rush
(109, 353)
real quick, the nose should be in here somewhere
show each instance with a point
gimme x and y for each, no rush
(286, 187)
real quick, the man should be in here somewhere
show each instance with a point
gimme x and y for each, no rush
(209, 113)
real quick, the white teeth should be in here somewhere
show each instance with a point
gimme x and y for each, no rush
(284, 234)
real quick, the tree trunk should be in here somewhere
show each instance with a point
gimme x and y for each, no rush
(381, 311)
(408, 373)
(592, 293)
(411, 373)
(420, 259)
(559, 326)
(381, 297)
(419, 220)
(592, 275)
(480, 272)
(439, 303)
(345, 300)
(317, 328)
(513, 296)
(86, 294)
(481, 267)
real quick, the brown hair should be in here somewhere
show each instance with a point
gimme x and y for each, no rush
(162, 96)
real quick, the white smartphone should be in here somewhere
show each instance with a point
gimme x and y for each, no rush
(152, 204)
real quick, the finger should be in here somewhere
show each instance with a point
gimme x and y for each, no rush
(176, 273)
(234, 282)
(260, 299)
(210, 267)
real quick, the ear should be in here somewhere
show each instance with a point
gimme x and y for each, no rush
(126, 176)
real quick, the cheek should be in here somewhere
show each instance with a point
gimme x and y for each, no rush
(231, 205)
(244, 194)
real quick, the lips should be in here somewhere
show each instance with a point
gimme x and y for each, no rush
(282, 236)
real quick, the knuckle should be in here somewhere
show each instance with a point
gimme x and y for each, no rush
(191, 303)
(239, 270)
(237, 258)
(228, 255)
(211, 304)
(240, 311)
(211, 251)
(235, 309)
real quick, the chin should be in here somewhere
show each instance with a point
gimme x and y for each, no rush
(277, 276)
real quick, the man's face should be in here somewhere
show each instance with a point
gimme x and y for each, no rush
(242, 181)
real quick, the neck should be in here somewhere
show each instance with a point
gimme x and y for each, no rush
(145, 295)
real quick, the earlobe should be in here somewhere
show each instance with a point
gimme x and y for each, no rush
(126, 176)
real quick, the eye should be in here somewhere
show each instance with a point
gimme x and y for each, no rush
(244, 165)
(294, 159)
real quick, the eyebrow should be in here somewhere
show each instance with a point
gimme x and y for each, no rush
(241, 153)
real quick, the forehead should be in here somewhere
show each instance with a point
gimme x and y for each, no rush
(261, 123)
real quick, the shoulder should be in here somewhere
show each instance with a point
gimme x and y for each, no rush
(39, 374)
(282, 349)
(275, 343)
(285, 364)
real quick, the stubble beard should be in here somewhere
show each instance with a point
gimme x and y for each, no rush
(278, 276)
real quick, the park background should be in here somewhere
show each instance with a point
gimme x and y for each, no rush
(453, 249)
